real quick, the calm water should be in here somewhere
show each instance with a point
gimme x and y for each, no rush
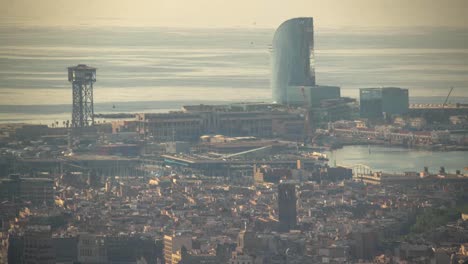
(391, 159)
(156, 69)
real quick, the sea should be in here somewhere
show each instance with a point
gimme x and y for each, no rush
(161, 69)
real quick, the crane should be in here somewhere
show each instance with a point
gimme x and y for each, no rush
(446, 99)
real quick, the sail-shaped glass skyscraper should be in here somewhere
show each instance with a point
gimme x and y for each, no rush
(292, 57)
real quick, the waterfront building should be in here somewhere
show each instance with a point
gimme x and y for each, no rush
(170, 126)
(292, 58)
(370, 103)
(230, 121)
(388, 101)
(311, 96)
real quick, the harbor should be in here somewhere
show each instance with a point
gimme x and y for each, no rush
(397, 159)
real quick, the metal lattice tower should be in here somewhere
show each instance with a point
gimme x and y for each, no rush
(82, 78)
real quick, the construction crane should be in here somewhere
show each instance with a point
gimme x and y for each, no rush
(446, 99)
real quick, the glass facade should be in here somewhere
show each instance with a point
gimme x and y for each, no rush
(374, 102)
(292, 57)
(313, 94)
(370, 103)
(395, 101)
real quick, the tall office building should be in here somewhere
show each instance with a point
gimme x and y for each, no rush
(292, 60)
(287, 206)
(375, 102)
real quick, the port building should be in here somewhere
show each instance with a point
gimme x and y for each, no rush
(376, 103)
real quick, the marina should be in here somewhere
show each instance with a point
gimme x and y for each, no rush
(398, 159)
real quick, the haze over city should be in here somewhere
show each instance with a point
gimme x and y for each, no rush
(241, 13)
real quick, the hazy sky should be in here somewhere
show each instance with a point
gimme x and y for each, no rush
(235, 13)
